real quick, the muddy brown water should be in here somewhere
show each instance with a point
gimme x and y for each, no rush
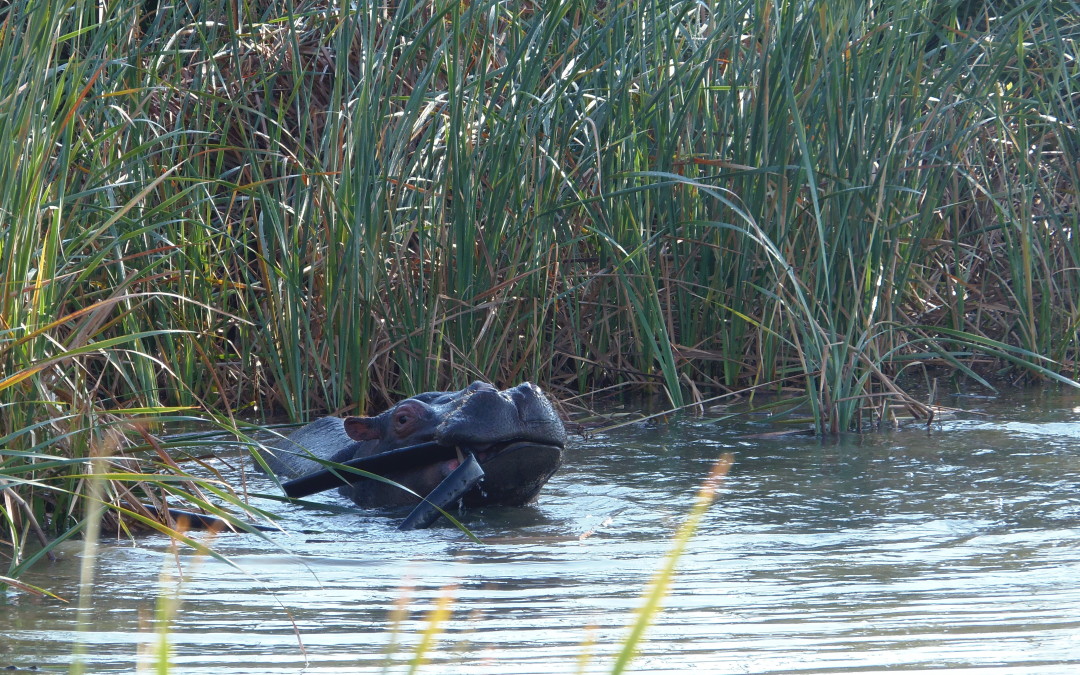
(955, 550)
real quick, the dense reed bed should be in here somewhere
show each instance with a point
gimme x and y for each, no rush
(306, 206)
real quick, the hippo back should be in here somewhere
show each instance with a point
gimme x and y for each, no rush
(324, 438)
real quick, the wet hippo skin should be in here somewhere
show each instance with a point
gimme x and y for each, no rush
(515, 434)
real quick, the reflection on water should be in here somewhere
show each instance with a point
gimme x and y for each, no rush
(957, 549)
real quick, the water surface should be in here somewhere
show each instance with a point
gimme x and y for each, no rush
(955, 549)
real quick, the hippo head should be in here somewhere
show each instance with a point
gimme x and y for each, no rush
(515, 435)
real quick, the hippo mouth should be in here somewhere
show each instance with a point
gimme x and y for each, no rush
(492, 450)
(505, 474)
(515, 471)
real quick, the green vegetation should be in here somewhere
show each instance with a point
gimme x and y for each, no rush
(291, 207)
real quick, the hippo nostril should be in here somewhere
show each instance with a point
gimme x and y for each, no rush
(519, 403)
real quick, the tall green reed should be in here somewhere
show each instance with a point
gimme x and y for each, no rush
(491, 192)
(90, 291)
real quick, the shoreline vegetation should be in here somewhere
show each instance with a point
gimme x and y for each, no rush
(286, 208)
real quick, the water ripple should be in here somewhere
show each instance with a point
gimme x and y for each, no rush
(955, 551)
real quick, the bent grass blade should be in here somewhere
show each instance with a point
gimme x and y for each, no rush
(661, 583)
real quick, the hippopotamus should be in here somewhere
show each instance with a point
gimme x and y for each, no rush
(515, 435)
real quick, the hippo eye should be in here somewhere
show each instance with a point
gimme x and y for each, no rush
(402, 419)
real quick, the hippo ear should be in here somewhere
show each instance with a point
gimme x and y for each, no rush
(362, 428)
